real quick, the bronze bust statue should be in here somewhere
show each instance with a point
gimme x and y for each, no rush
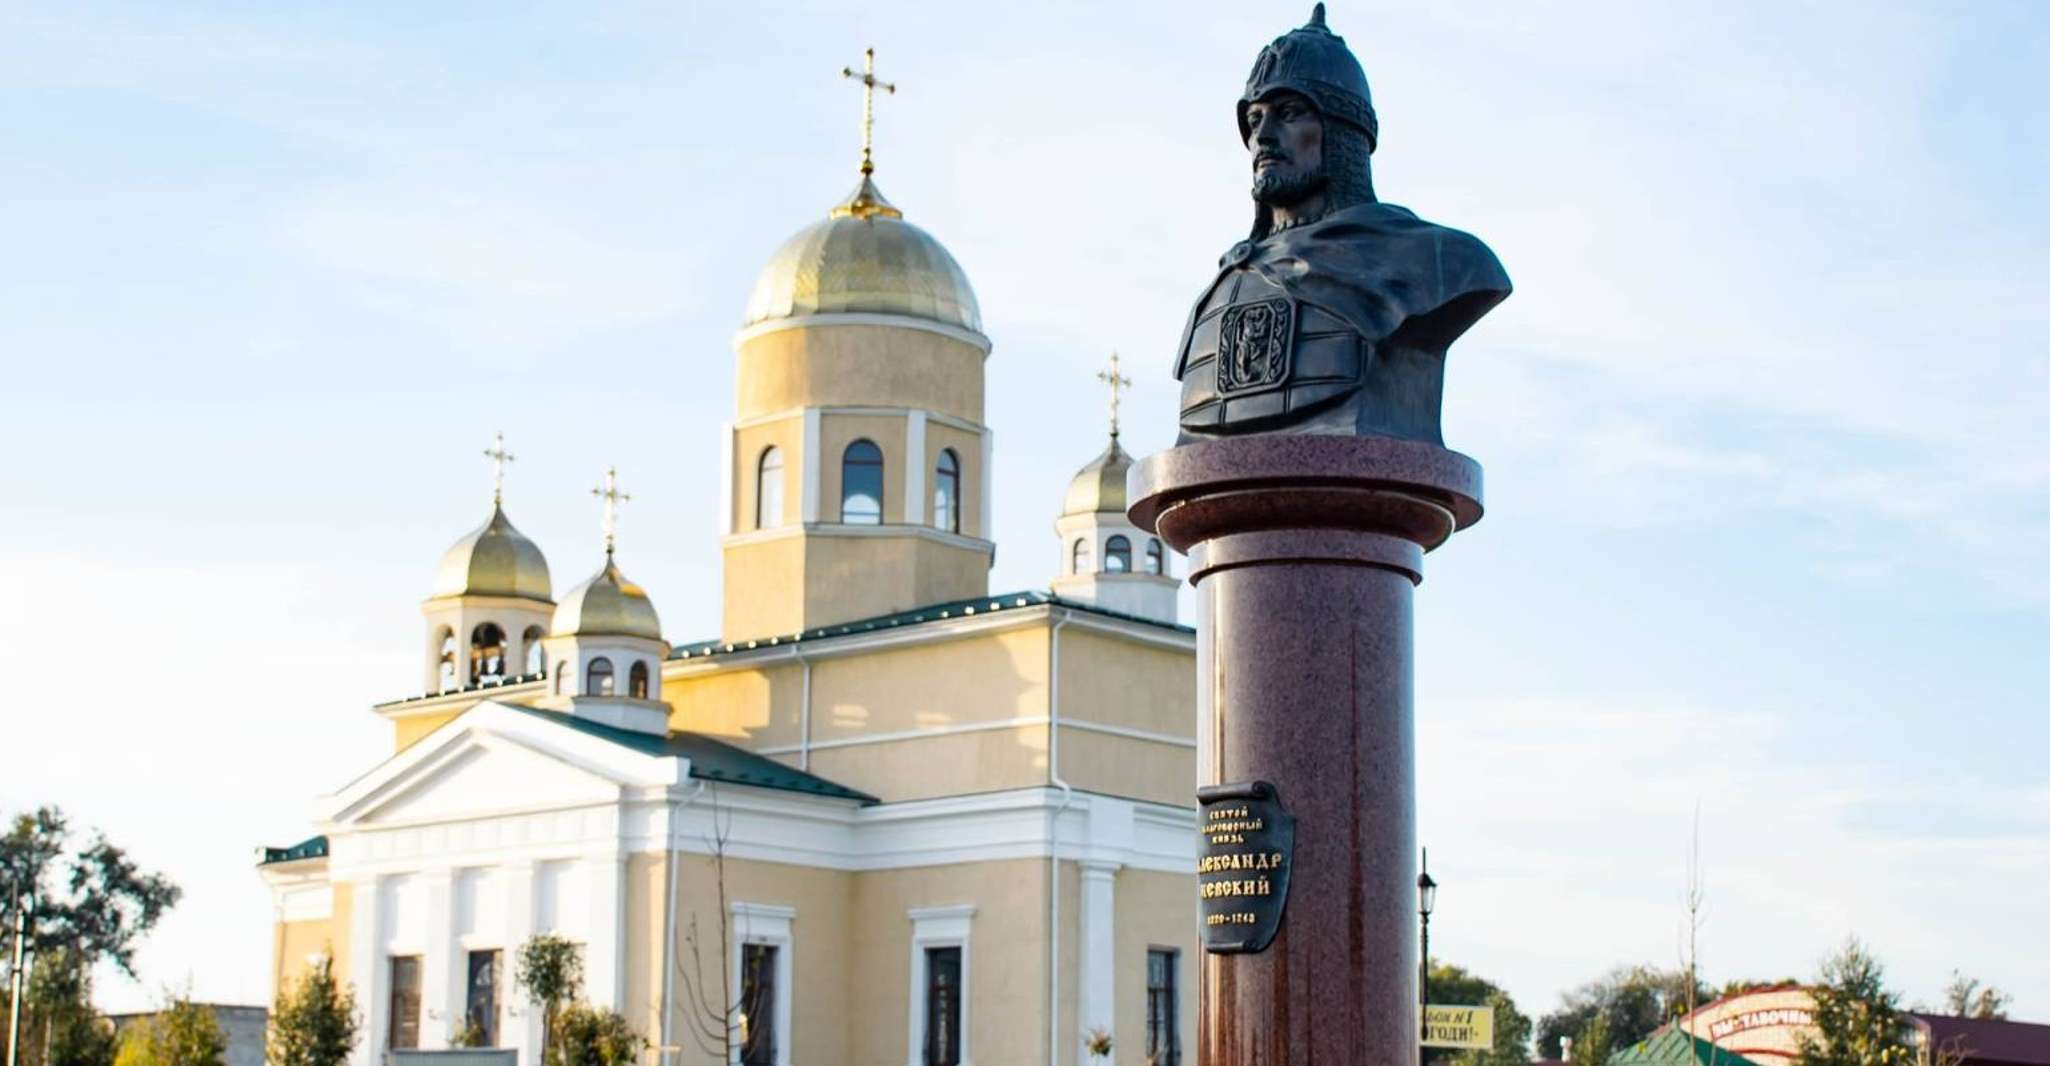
(1334, 316)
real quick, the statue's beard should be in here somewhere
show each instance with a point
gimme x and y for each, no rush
(1286, 187)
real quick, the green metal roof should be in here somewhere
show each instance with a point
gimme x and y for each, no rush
(310, 848)
(1671, 1047)
(710, 760)
(1009, 601)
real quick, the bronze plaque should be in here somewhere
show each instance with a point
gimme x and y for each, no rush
(1242, 867)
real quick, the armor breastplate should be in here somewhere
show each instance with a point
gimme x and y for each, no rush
(1255, 354)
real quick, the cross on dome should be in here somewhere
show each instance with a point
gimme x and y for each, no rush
(869, 85)
(1118, 383)
(612, 498)
(499, 457)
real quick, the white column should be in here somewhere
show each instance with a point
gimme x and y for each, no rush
(983, 481)
(522, 1031)
(1098, 926)
(605, 967)
(439, 1009)
(726, 480)
(914, 470)
(814, 476)
(367, 969)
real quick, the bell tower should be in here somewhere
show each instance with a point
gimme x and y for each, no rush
(490, 605)
(856, 466)
(1106, 561)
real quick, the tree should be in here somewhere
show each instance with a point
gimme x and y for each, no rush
(1594, 1045)
(1636, 1000)
(1964, 997)
(59, 1025)
(91, 900)
(551, 971)
(314, 1021)
(184, 1033)
(592, 1036)
(1454, 985)
(1859, 1021)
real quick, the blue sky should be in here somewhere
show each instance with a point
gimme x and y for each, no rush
(1766, 424)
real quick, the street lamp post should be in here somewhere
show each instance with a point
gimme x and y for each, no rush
(1427, 897)
(18, 977)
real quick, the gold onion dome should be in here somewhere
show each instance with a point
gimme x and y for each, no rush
(493, 560)
(864, 258)
(606, 604)
(1100, 486)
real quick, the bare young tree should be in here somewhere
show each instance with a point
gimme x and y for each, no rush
(717, 1016)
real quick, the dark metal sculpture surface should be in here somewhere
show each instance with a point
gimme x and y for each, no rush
(1335, 315)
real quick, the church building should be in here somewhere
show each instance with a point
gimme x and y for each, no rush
(885, 817)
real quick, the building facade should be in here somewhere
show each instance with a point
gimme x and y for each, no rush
(884, 817)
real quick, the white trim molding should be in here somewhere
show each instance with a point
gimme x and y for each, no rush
(863, 318)
(766, 923)
(937, 927)
(914, 469)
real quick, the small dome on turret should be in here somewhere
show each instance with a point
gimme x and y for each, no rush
(606, 604)
(863, 257)
(493, 560)
(1100, 486)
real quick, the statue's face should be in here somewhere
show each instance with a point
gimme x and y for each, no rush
(1285, 135)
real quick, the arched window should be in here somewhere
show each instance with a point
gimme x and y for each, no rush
(537, 662)
(1078, 559)
(1154, 560)
(637, 680)
(769, 489)
(1117, 556)
(562, 678)
(445, 670)
(487, 653)
(598, 677)
(946, 492)
(861, 484)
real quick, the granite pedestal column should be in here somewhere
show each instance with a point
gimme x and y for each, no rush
(1306, 551)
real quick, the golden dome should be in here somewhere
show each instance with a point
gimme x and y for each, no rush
(1100, 486)
(606, 604)
(864, 258)
(493, 560)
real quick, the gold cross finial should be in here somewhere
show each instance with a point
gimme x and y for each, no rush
(1118, 383)
(499, 457)
(869, 85)
(610, 493)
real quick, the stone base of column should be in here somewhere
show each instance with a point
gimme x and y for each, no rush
(1305, 551)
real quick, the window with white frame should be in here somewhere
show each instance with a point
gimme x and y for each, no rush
(762, 968)
(939, 986)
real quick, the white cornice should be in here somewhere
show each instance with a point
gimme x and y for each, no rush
(967, 624)
(864, 318)
(835, 529)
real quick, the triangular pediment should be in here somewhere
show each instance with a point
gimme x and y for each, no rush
(485, 774)
(493, 760)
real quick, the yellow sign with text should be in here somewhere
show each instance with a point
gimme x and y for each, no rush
(1459, 1027)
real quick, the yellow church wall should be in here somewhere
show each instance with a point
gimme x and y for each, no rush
(1155, 910)
(854, 577)
(1122, 682)
(1006, 959)
(296, 944)
(758, 706)
(836, 432)
(847, 365)
(749, 442)
(945, 765)
(1126, 766)
(988, 677)
(819, 935)
(406, 731)
(764, 591)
